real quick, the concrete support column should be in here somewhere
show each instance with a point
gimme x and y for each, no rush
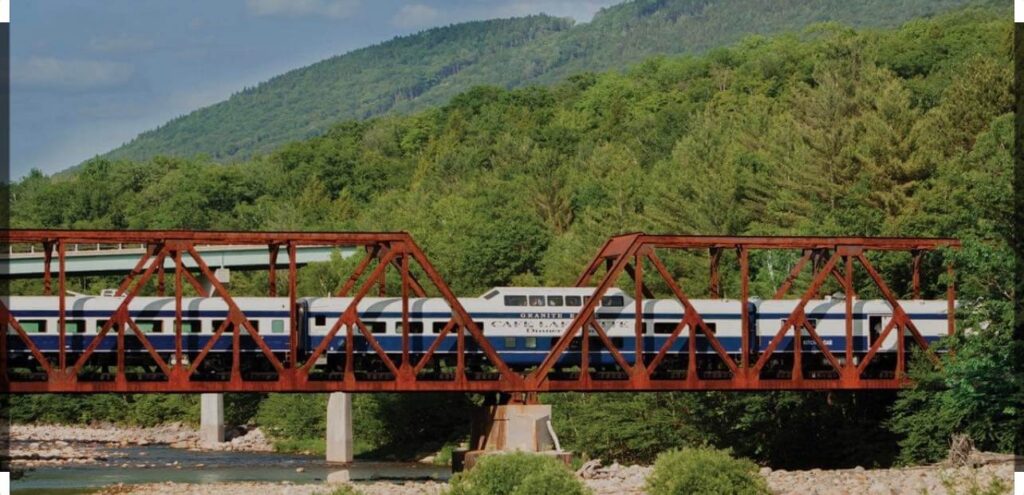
(223, 276)
(509, 428)
(211, 419)
(339, 427)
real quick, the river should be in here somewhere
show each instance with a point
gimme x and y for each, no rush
(206, 467)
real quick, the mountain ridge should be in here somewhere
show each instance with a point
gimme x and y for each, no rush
(427, 68)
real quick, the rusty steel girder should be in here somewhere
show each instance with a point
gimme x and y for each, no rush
(620, 255)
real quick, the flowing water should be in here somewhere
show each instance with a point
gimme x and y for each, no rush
(205, 467)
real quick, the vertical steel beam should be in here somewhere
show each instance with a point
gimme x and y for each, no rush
(848, 300)
(272, 270)
(638, 320)
(951, 300)
(916, 276)
(178, 294)
(714, 285)
(744, 309)
(405, 311)
(293, 308)
(62, 295)
(47, 257)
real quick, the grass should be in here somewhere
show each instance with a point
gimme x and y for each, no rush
(313, 446)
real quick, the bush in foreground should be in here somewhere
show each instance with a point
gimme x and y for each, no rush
(697, 471)
(517, 474)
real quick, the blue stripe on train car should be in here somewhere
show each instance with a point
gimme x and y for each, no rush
(193, 314)
(417, 343)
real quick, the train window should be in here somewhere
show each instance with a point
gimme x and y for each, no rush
(191, 326)
(320, 320)
(277, 326)
(613, 301)
(376, 326)
(515, 300)
(479, 324)
(536, 300)
(33, 326)
(573, 301)
(75, 326)
(510, 342)
(414, 327)
(150, 326)
(255, 325)
(228, 327)
(530, 342)
(874, 328)
(664, 328)
(439, 326)
(713, 327)
(555, 301)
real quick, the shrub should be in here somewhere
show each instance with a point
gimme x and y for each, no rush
(291, 416)
(517, 474)
(704, 471)
(344, 490)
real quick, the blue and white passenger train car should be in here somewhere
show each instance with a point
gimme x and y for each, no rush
(521, 323)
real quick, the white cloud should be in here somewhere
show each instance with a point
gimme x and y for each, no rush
(121, 44)
(73, 74)
(337, 9)
(415, 15)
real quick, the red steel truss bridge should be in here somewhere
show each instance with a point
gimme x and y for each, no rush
(171, 264)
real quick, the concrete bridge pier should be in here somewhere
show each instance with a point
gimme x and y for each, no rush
(211, 419)
(508, 428)
(339, 428)
(211, 406)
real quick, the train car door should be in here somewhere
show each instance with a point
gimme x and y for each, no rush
(876, 324)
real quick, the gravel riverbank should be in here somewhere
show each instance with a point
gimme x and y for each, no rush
(40, 445)
(629, 480)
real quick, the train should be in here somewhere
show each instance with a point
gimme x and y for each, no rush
(521, 324)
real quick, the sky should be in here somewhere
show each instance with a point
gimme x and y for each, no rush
(89, 75)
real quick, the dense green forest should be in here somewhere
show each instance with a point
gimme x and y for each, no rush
(429, 68)
(828, 131)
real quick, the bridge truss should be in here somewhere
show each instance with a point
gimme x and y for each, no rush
(637, 261)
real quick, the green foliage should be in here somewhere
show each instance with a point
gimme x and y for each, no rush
(431, 67)
(241, 409)
(626, 428)
(136, 410)
(298, 422)
(384, 423)
(969, 484)
(345, 489)
(842, 429)
(517, 473)
(294, 415)
(704, 472)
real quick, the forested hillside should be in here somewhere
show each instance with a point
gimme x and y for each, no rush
(430, 67)
(830, 131)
